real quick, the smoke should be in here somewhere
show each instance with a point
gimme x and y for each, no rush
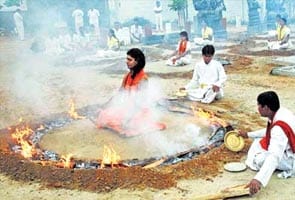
(42, 88)
(128, 110)
(28, 84)
(171, 142)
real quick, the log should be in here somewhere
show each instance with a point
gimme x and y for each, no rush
(235, 191)
(155, 164)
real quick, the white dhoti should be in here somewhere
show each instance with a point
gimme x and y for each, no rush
(20, 30)
(78, 25)
(257, 155)
(204, 94)
(201, 41)
(179, 62)
(275, 45)
(159, 22)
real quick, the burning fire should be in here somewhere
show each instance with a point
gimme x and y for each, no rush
(214, 120)
(72, 112)
(21, 135)
(66, 161)
(110, 157)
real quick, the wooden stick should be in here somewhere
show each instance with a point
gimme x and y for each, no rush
(235, 191)
(155, 164)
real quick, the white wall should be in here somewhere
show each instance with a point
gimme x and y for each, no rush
(144, 8)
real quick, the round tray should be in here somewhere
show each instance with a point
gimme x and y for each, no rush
(233, 141)
(235, 167)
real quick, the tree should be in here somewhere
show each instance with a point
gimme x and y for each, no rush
(180, 6)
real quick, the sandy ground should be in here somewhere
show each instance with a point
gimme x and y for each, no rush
(89, 85)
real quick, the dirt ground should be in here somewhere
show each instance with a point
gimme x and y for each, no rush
(33, 87)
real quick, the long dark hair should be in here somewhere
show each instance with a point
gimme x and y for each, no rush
(138, 55)
(184, 34)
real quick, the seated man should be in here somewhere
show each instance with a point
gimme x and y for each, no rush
(282, 40)
(136, 32)
(113, 42)
(113, 46)
(274, 146)
(118, 31)
(208, 78)
(182, 54)
(277, 26)
(207, 35)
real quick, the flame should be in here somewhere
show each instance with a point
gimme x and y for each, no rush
(110, 157)
(72, 112)
(210, 116)
(67, 161)
(21, 135)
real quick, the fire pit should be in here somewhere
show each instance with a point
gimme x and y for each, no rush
(70, 140)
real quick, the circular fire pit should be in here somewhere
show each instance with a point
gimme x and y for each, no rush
(83, 140)
(63, 148)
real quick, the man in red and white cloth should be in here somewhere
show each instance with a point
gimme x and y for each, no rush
(274, 147)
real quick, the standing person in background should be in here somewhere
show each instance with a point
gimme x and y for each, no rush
(182, 54)
(136, 32)
(274, 147)
(158, 13)
(93, 15)
(19, 24)
(79, 21)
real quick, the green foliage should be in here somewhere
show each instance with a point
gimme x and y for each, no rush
(9, 3)
(177, 5)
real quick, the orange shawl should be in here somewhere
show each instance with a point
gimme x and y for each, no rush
(132, 84)
(182, 47)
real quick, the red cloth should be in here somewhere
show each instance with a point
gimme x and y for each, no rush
(182, 47)
(124, 119)
(264, 142)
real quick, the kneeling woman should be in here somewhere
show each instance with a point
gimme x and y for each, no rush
(128, 113)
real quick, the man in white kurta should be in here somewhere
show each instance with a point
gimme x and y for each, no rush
(208, 78)
(93, 15)
(279, 153)
(136, 32)
(79, 21)
(19, 24)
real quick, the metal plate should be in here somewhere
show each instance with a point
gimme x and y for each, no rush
(235, 167)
